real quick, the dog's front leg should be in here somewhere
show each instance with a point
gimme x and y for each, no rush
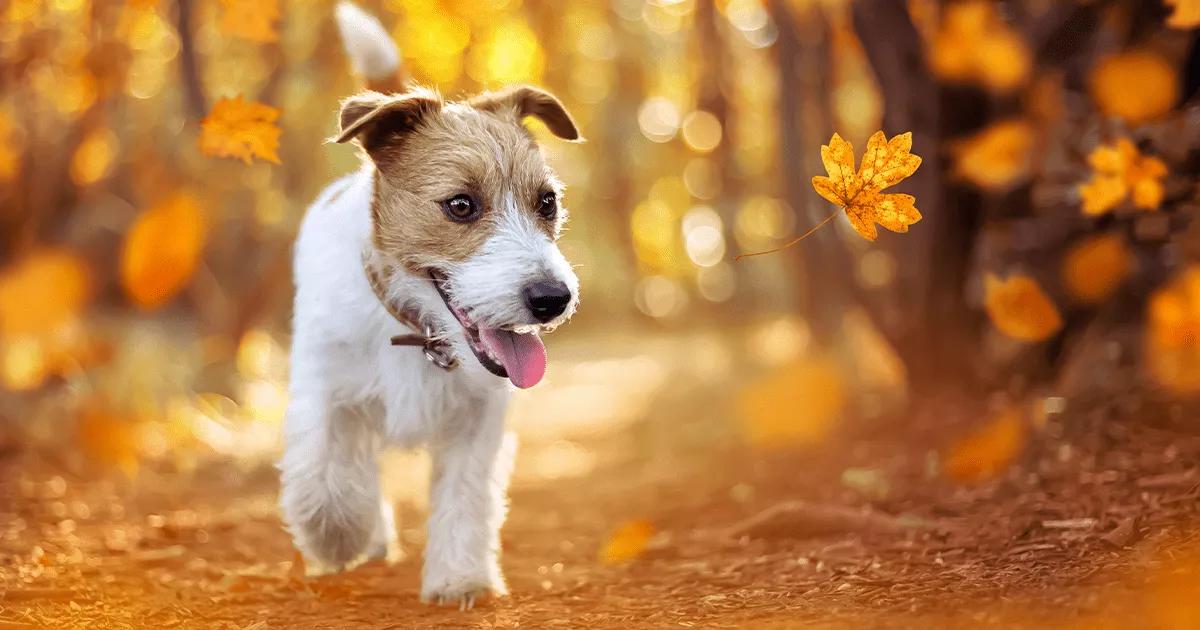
(472, 462)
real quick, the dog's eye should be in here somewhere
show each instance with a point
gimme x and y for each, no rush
(461, 208)
(548, 205)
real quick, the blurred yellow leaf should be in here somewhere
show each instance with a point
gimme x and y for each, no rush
(1137, 85)
(627, 542)
(973, 44)
(1120, 171)
(241, 129)
(108, 438)
(997, 156)
(988, 450)
(250, 19)
(1019, 308)
(42, 292)
(797, 404)
(884, 163)
(161, 251)
(1094, 268)
(1186, 14)
(94, 157)
(1173, 338)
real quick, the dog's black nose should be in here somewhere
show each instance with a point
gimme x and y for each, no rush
(547, 300)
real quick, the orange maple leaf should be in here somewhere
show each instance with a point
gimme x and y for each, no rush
(627, 542)
(1094, 268)
(241, 129)
(161, 251)
(884, 163)
(1173, 336)
(1136, 85)
(251, 19)
(1120, 171)
(1019, 308)
(973, 44)
(987, 451)
(996, 157)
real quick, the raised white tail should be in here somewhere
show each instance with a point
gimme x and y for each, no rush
(373, 53)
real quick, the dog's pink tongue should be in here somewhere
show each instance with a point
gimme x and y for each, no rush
(523, 355)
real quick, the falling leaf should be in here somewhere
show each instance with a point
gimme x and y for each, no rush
(42, 292)
(162, 250)
(973, 44)
(1137, 85)
(1094, 268)
(797, 404)
(988, 450)
(884, 163)
(108, 438)
(9, 155)
(1186, 14)
(1020, 309)
(627, 542)
(1119, 171)
(998, 156)
(251, 19)
(240, 129)
(1173, 338)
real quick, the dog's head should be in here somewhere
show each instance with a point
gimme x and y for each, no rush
(464, 198)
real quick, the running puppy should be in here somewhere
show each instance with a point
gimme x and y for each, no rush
(422, 283)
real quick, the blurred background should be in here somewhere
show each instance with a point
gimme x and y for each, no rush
(156, 158)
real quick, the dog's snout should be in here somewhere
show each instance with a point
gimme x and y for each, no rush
(547, 300)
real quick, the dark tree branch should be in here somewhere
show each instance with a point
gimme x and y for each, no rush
(189, 70)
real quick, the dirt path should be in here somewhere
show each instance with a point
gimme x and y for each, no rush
(1093, 527)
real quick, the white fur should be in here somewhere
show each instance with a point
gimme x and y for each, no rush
(372, 51)
(353, 393)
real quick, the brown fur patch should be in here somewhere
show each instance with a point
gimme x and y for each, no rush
(455, 150)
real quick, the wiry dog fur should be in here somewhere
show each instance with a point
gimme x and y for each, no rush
(352, 392)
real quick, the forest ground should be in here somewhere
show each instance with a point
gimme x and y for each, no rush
(1093, 526)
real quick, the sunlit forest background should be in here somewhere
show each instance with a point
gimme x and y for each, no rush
(156, 158)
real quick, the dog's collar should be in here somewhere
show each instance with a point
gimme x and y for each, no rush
(433, 343)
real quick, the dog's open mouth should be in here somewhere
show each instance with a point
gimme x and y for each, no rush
(521, 357)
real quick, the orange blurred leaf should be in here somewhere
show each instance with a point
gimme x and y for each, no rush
(798, 404)
(251, 19)
(1119, 171)
(1186, 14)
(1094, 268)
(1136, 85)
(988, 450)
(997, 156)
(973, 44)
(162, 250)
(1173, 338)
(884, 163)
(627, 542)
(1020, 309)
(108, 438)
(42, 292)
(241, 129)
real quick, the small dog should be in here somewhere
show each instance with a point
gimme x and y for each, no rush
(422, 283)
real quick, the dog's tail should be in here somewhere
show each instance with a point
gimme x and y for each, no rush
(373, 53)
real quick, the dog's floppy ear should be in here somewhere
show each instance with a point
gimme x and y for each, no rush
(373, 117)
(525, 100)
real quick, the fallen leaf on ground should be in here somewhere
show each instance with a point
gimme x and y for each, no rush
(997, 156)
(627, 542)
(973, 44)
(1019, 308)
(1186, 14)
(802, 519)
(1136, 85)
(988, 450)
(1120, 171)
(241, 129)
(884, 163)
(162, 250)
(797, 404)
(1094, 268)
(1173, 338)
(251, 19)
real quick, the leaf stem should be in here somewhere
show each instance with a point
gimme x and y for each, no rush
(791, 242)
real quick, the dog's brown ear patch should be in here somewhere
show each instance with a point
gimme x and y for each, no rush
(525, 100)
(373, 117)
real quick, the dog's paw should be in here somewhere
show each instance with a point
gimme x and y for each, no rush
(462, 591)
